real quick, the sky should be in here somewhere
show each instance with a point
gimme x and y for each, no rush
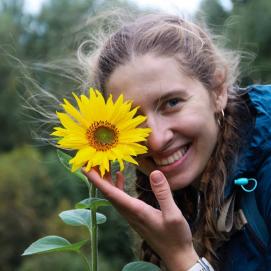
(172, 6)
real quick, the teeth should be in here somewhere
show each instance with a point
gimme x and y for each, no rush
(184, 149)
(172, 158)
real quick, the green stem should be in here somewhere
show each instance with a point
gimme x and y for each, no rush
(86, 263)
(94, 233)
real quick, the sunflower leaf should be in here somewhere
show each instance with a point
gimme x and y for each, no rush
(140, 266)
(64, 159)
(92, 203)
(52, 243)
(80, 217)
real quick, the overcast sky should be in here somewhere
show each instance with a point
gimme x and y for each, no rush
(172, 6)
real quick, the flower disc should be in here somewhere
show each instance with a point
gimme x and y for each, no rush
(102, 135)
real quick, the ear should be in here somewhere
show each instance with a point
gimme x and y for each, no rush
(220, 94)
(221, 98)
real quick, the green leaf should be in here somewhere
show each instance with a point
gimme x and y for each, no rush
(64, 158)
(92, 203)
(52, 243)
(140, 266)
(80, 217)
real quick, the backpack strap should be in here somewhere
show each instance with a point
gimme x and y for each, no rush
(248, 204)
(241, 210)
(225, 220)
(254, 218)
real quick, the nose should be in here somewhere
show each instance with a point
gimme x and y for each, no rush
(161, 134)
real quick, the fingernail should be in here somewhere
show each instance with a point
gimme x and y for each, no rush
(157, 177)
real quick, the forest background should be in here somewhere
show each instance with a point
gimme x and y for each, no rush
(34, 187)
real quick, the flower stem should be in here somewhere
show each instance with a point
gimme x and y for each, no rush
(94, 233)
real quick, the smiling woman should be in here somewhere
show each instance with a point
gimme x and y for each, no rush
(203, 138)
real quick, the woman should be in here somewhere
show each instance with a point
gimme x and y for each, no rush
(205, 134)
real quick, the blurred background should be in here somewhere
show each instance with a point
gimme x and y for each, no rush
(34, 187)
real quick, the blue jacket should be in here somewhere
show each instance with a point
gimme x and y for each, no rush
(245, 251)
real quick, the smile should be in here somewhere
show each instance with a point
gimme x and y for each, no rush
(173, 157)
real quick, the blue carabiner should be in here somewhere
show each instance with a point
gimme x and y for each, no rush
(244, 181)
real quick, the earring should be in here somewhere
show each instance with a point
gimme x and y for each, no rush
(220, 118)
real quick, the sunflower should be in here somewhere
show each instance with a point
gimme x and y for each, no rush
(101, 131)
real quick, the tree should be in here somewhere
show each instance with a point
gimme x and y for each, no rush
(252, 32)
(213, 13)
(245, 29)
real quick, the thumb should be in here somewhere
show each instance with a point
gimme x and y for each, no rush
(161, 189)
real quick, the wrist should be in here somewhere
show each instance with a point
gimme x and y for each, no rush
(201, 265)
(181, 262)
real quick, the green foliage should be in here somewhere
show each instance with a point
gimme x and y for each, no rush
(64, 159)
(21, 208)
(81, 217)
(29, 195)
(56, 261)
(213, 13)
(12, 27)
(251, 32)
(75, 217)
(61, 261)
(92, 203)
(246, 29)
(52, 244)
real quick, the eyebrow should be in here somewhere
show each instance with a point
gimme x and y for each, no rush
(166, 96)
(171, 93)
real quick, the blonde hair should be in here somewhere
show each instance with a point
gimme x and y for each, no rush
(199, 57)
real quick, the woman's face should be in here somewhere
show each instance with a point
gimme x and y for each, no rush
(180, 111)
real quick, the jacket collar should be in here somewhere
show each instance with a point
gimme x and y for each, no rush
(257, 144)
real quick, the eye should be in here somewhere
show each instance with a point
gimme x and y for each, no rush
(172, 104)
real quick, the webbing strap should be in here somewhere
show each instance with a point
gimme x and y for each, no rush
(255, 219)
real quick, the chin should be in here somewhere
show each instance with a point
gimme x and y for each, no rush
(178, 182)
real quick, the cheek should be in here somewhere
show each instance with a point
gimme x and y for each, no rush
(193, 125)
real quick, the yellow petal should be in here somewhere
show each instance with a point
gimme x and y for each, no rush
(130, 159)
(71, 110)
(132, 123)
(59, 132)
(121, 164)
(83, 155)
(69, 123)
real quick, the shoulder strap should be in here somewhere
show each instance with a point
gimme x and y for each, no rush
(254, 218)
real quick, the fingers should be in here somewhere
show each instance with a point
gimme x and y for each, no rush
(163, 194)
(104, 184)
(115, 194)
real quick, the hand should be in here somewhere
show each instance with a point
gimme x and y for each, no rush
(165, 230)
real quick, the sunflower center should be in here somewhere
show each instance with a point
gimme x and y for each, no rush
(102, 135)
